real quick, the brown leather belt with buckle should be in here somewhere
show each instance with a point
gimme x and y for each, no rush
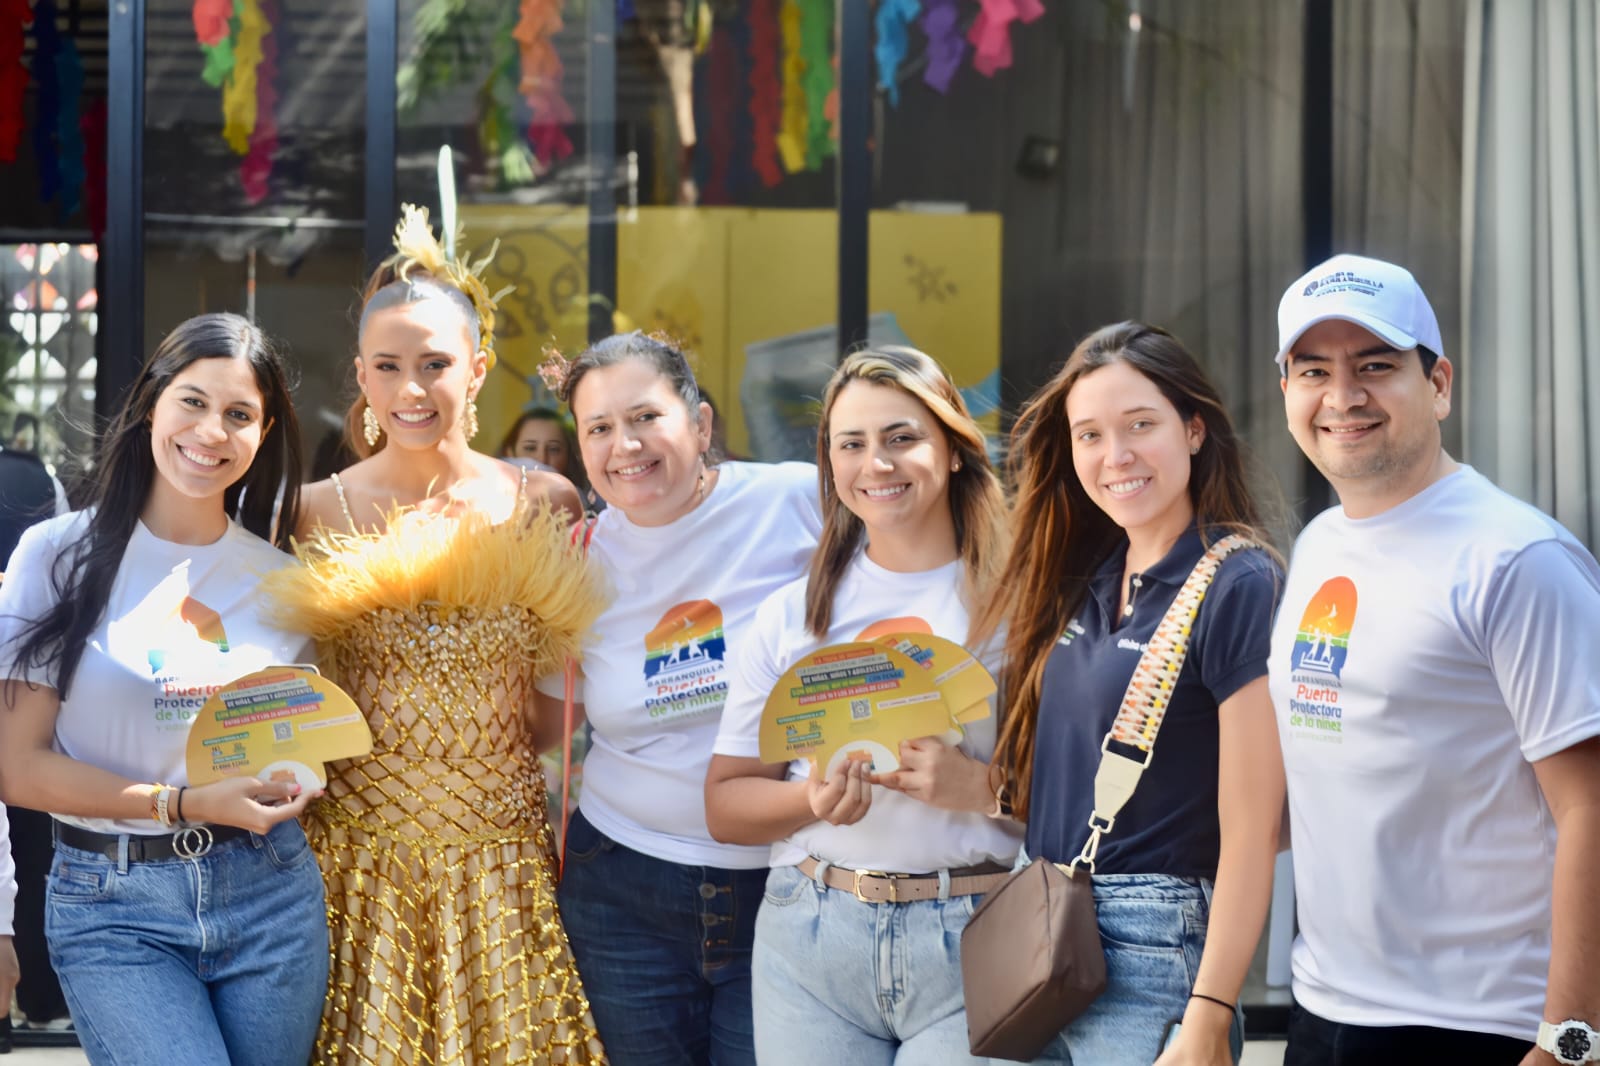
(878, 886)
(190, 842)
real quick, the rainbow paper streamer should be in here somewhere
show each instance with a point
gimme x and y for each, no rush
(991, 32)
(239, 94)
(792, 131)
(766, 98)
(816, 38)
(47, 99)
(941, 22)
(894, 20)
(255, 169)
(541, 79)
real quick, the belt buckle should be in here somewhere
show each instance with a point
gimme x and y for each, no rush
(855, 885)
(192, 842)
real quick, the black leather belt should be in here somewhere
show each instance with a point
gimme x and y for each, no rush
(188, 843)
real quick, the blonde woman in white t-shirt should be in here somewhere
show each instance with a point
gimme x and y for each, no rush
(186, 923)
(871, 866)
(662, 916)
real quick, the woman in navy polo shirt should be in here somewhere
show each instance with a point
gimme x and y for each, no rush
(1127, 467)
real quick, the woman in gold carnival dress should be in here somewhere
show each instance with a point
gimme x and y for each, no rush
(440, 584)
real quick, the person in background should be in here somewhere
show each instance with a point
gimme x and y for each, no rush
(662, 915)
(866, 865)
(10, 972)
(1433, 673)
(186, 924)
(1127, 469)
(541, 435)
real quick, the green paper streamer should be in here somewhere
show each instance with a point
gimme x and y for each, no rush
(816, 38)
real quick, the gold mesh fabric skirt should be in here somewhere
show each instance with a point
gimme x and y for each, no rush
(445, 950)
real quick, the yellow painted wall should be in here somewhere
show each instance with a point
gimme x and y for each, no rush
(720, 279)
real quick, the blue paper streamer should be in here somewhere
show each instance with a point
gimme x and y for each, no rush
(894, 20)
(47, 99)
(69, 126)
(624, 11)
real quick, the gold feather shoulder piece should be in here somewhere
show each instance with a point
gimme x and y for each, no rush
(527, 561)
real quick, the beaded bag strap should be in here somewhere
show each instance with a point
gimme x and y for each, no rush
(1144, 705)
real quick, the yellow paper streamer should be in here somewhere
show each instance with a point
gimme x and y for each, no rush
(795, 128)
(239, 94)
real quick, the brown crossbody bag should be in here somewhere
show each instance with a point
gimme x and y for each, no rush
(1031, 957)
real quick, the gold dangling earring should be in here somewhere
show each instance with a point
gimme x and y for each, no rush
(369, 426)
(469, 423)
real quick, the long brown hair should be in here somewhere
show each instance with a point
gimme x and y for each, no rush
(977, 502)
(1063, 537)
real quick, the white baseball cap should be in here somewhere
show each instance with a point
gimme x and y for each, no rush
(1375, 295)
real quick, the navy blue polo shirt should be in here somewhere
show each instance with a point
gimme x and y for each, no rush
(1170, 824)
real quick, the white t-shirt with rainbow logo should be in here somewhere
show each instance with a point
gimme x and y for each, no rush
(182, 621)
(656, 663)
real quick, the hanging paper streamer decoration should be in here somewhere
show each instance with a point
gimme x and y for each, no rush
(816, 36)
(741, 175)
(239, 94)
(792, 130)
(541, 79)
(497, 128)
(69, 127)
(255, 169)
(47, 99)
(211, 18)
(941, 22)
(93, 126)
(624, 11)
(15, 15)
(215, 26)
(722, 79)
(894, 20)
(991, 32)
(766, 99)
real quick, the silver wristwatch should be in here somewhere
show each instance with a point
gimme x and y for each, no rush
(1570, 1041)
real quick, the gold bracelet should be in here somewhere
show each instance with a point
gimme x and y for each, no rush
(162, 800)
(154, 794)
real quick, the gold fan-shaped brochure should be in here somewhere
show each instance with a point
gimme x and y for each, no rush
(851, 698)
(960, 678)
(278, 724)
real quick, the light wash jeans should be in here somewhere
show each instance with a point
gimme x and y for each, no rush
(838, 981)
(1153, 928)
(221, 959)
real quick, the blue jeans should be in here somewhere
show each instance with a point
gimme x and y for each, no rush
(221, 959)
(664, 951)
(1153, 928)
(841, 981)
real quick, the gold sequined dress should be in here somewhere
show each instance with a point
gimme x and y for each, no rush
(437, 850)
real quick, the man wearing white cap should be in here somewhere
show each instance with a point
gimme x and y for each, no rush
(1435, 672)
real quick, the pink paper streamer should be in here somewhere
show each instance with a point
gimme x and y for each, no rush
(991, 32)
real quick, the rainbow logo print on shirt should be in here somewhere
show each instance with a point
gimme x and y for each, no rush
(1323, 639)
(683, 666)
(1317, 661)
(192, 618)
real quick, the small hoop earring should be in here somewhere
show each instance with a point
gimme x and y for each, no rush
(370, 430)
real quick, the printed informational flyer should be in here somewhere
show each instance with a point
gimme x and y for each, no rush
(961, 679)
(278, 724)
(851, 698)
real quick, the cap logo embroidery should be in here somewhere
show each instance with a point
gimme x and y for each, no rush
(1343, 281)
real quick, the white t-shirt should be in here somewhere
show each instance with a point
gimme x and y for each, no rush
(1421, 659)
(656, 662)
(182, 621)
(898, 834)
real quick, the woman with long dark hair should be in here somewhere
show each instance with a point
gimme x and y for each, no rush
(1127, 468)
(914, 532)
(186, 923)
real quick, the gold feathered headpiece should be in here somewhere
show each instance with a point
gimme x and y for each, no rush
(415, 247)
